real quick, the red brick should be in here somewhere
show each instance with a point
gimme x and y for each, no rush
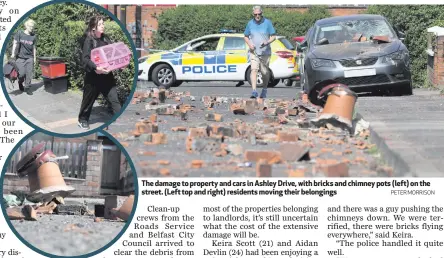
(179, 129)
(254, 155)
(153, 118)
(197, 132)
(197, 163)
(288, 136)
(159, 138)
(294, 152)
(263, 169)
(335, 170)
(214, 117)
(144, 127)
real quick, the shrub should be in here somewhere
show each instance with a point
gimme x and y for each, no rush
(59, 27)
(414, 21)
(186, 22)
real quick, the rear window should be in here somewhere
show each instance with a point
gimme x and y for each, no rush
(287, 43)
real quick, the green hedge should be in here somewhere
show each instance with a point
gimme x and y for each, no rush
(186, 22)
(414, 20)
(59, 28)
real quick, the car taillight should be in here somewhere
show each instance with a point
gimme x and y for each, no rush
(284, 54)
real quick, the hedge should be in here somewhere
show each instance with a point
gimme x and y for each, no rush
(59, 28)
(414, 20)
(187, 22)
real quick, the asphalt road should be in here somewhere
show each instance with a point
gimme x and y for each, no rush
(148, 159)
(68, 235)
(412, 127)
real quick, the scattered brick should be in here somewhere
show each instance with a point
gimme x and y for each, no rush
(292, 112)
(179, 129)
(165, 111)
(348, 151)
(198, 132)
(163, 162)
(297, 172)
(146, 127)
(271, 120)
(159, 138)
(125, 144)
(337, 153)
(162, 96)
(97, 219)
(221, 153)
(294, 152)
(153, 118)
(164, 172)
(238, 109)
(255, 155)
(287, 136)
(197, 163)
(263, 169)
(360, 159)
(327, 150)
(335, 170)
(209, 144)
(224, 131)
(213, 117)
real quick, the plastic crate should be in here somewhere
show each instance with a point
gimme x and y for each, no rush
(111, 57)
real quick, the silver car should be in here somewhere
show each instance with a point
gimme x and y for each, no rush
(363, 52)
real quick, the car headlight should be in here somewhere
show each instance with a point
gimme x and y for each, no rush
(316, 63)
(142, 59)
(396, 56)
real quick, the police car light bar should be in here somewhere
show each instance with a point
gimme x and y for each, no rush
(227, 31)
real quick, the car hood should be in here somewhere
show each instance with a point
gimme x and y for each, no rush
(355, 50)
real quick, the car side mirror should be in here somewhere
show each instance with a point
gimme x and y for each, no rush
(302, 46)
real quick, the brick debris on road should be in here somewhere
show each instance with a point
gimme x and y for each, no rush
(216, 132)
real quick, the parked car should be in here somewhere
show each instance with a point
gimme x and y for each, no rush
(364, 52)
(215, 57)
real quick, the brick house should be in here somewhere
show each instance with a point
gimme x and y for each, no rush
(435, 57)
(96, 166)
(141, 20)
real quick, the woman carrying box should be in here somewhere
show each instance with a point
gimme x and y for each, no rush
(97, 79)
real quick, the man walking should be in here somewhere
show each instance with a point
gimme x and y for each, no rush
(259, 34)
(26, 55)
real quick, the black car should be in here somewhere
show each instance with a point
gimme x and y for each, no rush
(363, 52)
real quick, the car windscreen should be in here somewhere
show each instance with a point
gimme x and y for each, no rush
(353, 31)
(287, 43)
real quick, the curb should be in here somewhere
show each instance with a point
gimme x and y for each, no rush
(391, 157)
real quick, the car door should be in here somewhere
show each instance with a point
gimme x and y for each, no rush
(199, 63)
(233, 59)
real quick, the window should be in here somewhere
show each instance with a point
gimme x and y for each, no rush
(287, 43)
(234, 43)
(209, 45)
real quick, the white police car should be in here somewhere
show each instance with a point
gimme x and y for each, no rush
(216, 57)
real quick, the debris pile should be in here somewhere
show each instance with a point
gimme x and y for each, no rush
(48, 190)
(270, 135)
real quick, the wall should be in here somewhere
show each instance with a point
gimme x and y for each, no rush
(84, 187)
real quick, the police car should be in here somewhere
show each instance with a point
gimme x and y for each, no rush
(216, 57)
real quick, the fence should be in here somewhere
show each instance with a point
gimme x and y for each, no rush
(74, 166)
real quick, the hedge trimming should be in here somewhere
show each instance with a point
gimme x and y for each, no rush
(59, 28)
(186, 22)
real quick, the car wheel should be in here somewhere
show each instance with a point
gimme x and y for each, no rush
(273, 82)
(177, 84)
(163, 76)
(288, 82)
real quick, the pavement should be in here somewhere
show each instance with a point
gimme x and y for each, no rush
(172, 159)
(410, 129)
(55, 112)
(68, 235)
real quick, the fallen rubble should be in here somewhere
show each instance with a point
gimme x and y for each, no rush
(231, 136)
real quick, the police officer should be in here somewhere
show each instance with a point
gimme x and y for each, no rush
(259, 34)
(26, 55)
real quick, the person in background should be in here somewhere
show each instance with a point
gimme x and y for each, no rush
(97, 79)
(259, 34)
(24, 48)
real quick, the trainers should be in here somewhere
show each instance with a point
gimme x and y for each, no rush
(254, 94)
(84, 125)
(263, 93)
(28, 91)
